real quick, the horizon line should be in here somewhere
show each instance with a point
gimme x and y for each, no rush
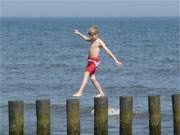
(83, 16)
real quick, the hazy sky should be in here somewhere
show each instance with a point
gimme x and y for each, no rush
(89, 8)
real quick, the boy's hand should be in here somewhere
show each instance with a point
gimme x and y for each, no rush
(119, 63)
(81, 35)
(76, 31)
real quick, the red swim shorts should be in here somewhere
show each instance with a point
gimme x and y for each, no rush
(92, 64)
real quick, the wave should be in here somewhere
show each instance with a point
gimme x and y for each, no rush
(116, 112)
(57, 65)
(170, 60)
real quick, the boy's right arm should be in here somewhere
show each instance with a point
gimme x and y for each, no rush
(119, 63)
(81, 35)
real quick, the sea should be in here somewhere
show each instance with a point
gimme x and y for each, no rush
(42, 58)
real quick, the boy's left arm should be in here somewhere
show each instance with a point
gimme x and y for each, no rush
(103, 45)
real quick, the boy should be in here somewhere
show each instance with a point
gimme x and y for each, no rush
(96, 44)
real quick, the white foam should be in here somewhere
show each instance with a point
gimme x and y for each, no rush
(111, 111)
(115, 111)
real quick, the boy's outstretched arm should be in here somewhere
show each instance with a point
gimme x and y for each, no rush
(119, 63)
(81, 35)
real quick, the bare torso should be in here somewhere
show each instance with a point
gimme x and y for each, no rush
(94, 49)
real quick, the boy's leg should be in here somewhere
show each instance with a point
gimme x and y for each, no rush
(83, 85)
(97, 85)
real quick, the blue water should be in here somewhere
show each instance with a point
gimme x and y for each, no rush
(41, 58)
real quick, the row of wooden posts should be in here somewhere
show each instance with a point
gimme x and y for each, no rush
(43, 114)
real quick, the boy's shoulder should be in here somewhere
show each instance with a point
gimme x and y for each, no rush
(100, 41)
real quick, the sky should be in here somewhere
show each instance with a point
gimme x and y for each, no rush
(89, 8)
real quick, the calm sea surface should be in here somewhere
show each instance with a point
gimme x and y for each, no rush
(41, 58)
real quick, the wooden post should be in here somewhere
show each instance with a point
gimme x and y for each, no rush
(176, 113)
(101, 116)
(43, 114)
(16, 117)
(154, 115)
(73, 117)
(126, 115)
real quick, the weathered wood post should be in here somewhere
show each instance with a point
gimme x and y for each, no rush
(101, 116)
(176, 113)
(154, 115)
(126, 115)
(16, 117)
(43, 114)
(73, 117)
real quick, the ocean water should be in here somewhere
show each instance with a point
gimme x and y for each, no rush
(41, 58)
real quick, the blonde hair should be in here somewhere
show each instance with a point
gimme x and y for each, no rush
(94, 30)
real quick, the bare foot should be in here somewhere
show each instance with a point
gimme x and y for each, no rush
(78, 94)
(100, 95)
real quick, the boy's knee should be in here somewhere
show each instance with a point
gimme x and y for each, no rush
(93, 79)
